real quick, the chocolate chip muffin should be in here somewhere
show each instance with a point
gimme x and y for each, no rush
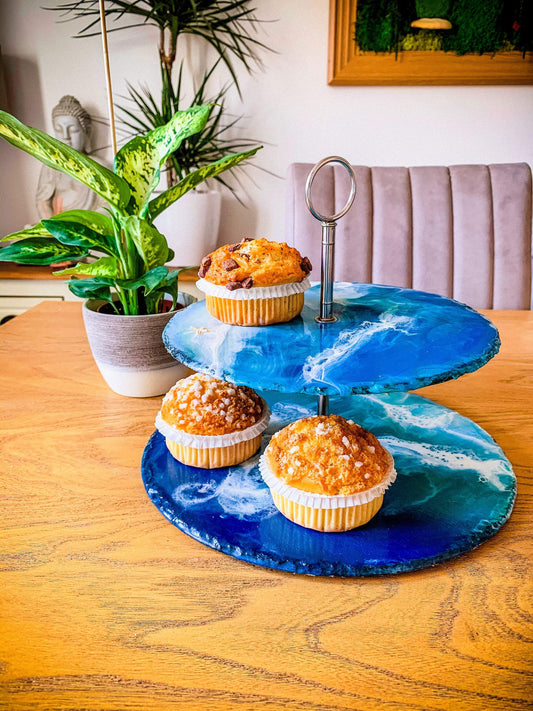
(254, 282)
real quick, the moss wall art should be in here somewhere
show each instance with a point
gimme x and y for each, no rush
(457, 26)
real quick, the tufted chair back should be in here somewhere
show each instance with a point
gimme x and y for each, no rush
(462, 231)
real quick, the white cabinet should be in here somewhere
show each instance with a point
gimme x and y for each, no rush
(18, 295)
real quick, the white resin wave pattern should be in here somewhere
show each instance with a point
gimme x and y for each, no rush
(316, 367)
(495, 472)
(242, 493)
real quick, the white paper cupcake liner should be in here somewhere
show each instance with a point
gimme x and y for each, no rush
(255, 292)
(207, 441)
(323, 501)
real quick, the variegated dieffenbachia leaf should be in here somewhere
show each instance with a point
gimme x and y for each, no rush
(161, 202)
(140, 160)
(58, 155)
(150, 243)
(40, 251)
(157, 283)
(149, 280)
(160, 282)
(38, 230)
(94, 220)
(103, 267)
(82, 236)
(92, 288)
(167, 286)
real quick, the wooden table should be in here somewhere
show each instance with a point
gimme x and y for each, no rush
(105, 605)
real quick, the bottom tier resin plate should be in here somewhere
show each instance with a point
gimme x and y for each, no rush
(455, 488)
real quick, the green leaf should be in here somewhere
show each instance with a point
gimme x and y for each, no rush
(58, 155)
(150, 280)
(157, 282)
(40, 250)
(161, 202)
(77, 234)
(97, 288)
(140, 160)
(149, 242)
(38, 230)
(168, 285)
(103, 267)
(95, 220)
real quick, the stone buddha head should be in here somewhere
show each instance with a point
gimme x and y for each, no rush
(72, 123)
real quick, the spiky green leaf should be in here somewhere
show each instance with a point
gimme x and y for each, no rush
(139, 161)
(40, 250)
(58, 155)
(161, 202)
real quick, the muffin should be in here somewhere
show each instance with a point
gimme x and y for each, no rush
(210, 423)
(254, 282)
(327, 473)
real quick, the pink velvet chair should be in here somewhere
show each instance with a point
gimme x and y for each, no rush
(462, 231)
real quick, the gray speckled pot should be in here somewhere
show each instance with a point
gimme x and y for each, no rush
(129, 350)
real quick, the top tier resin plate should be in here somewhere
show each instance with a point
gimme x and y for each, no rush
(384, 339)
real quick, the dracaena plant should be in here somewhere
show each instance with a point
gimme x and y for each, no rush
(227, 27)
(123, 254)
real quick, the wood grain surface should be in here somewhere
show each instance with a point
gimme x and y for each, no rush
(105, 606)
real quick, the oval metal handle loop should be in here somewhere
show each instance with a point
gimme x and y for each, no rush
(328, 251)
(310, 178)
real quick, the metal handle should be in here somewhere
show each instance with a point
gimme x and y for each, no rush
(328, 236)
(328, 251)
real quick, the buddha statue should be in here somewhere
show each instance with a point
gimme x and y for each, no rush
(57, 191)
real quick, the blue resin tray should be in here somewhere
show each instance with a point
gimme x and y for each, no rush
(385, 339)
(455, 489)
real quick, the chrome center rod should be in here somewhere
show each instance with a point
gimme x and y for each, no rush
(327, 265)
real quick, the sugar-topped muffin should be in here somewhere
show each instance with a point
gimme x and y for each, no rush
(327, 473)
(209, 423)
(254, 282)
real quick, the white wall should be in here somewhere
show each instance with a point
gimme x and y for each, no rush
(288, 107)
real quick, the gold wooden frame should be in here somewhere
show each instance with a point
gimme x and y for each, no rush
(347, 65)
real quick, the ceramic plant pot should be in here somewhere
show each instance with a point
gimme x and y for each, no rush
(129, 350)
(191, 226)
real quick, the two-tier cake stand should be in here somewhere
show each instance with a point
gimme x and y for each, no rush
(355, 350)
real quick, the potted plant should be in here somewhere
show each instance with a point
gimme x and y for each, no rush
(120, 256)
(228, 27)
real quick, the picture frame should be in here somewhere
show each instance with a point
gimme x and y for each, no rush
(347, 65)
